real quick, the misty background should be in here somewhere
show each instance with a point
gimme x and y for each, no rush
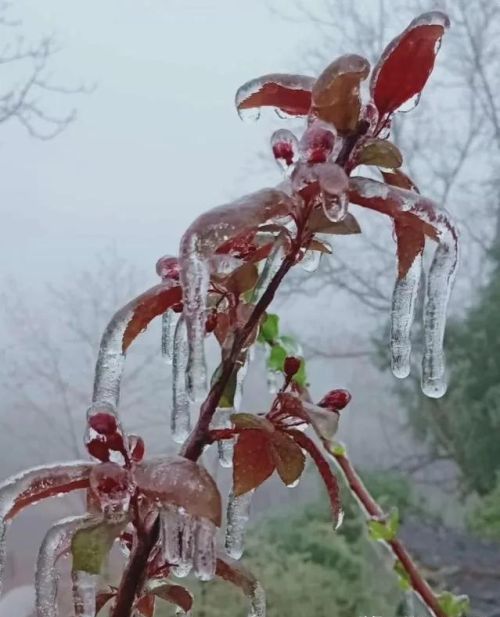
(129, 132)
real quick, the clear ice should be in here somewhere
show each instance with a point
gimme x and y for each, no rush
(238, 514)
(180, 421)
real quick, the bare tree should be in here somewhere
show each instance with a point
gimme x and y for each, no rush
(48, 362)
(28, 91)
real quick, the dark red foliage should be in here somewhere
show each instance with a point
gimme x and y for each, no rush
(103, 423)
(284, 151)
(293, 101)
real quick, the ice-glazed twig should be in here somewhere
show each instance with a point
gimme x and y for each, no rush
(233, 572)
(372, 510)
(200, 241)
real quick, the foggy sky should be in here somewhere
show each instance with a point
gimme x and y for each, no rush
(157, 142)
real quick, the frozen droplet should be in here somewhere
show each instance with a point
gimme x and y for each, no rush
(311, 260)
(168, 324)
(57, 541)
(439, 285)
(238, 514)
(285, 148)
(204, 550)
(335, 206)
(410, 104)
(317, 142)
(222, 420)
(180, 421)
(402, 314)
(250, 114)
(84, 593)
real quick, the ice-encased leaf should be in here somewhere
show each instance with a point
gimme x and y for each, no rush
(91, 544)
(209, 231)
(56, 543)
(290, 94)
(233, 572)
(123, 328)
(407, 62)
(395, 177)
(176, 480)
(421, 215)
(336, 93)
(238, 514)
(174, 594)
(180, 419)
(380, 152)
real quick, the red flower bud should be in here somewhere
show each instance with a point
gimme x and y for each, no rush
(292, 366)
(103, 423)
(99, 450)
(335, 400)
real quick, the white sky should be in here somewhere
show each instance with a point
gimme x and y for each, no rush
(155, 144)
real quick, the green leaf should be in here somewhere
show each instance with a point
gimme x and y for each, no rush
(385, 530)
(90, 546)
(269, 329)
(277, 357)
(300, 377)
(403, 577)
(453, 606)
(227, 398)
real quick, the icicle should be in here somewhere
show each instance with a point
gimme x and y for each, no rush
(168, 324)
(204, 552)
(257, 599)
(180, 421)
(402, 313)
(439, 284)
(222, 420)
(30, 486)
(240, 382)
(187, 526)
(311, 260)
(84, 593)
(171, 530)
(209, 231)
(56, 542)
(238, 514)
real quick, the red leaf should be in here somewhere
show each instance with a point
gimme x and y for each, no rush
(329, 479)
(146, 605)
(335, 95)
(235, 573)
(175, 594)
(411, 243)
(288, 457)
(407, 62)
(289, 93)
(146, 307)
(252, 461)
(406, 207)
(104, 596)
(395, 177)
(251, 421)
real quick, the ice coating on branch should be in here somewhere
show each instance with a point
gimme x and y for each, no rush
(285, 148)
(31, 486)
(238, 514)
(204, 553)
(425, 216)
(289, 93)
(168, 325)
(57, 541)
(209, 231)
(180, 421)
(439, 284)
(225, 447)
(404, 299)
(84, 593)
(257, 599)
